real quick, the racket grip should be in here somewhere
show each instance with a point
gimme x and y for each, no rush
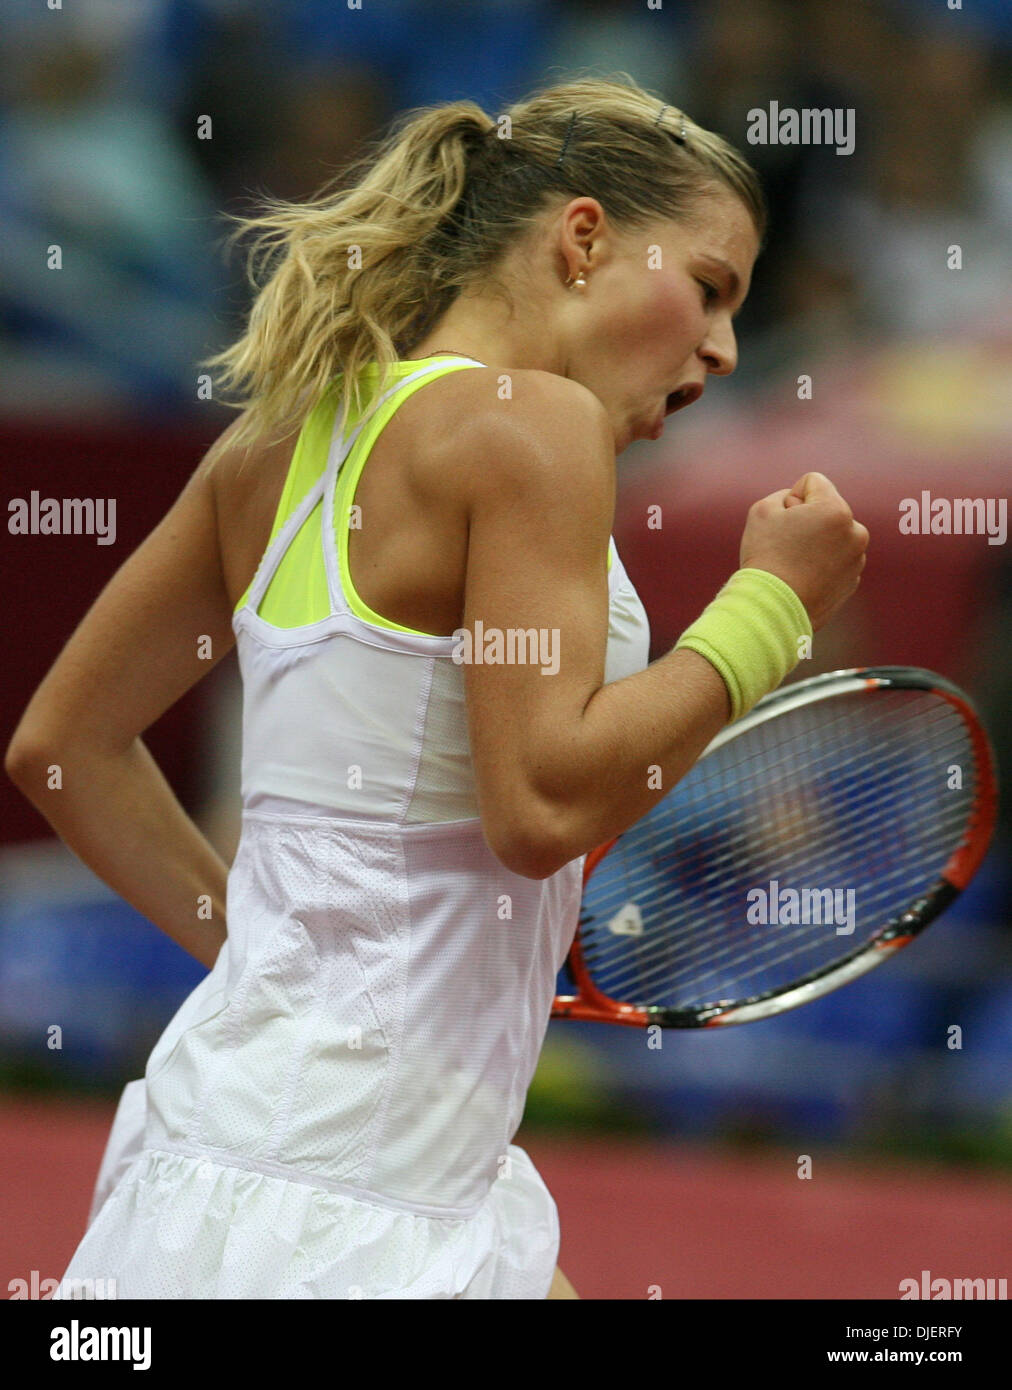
(751, 634)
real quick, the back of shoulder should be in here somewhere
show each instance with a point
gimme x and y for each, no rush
(529, 427)
(239, 471)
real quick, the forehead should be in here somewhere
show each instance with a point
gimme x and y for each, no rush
(719, 225)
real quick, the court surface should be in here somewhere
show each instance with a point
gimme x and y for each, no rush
(637, 1220)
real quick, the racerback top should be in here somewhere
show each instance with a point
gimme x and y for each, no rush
(375, 1017)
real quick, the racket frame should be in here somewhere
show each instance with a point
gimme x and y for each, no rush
(591, 1004)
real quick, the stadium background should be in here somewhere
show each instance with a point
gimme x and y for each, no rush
(675, 1168)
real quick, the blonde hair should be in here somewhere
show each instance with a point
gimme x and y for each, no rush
(360, 273)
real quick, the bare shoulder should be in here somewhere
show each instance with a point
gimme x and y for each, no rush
(245, 484)
(535, 427)
(238, 470)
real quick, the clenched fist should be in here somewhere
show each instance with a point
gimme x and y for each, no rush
(807, 536)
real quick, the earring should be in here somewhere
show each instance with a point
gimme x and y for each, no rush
(580, 280)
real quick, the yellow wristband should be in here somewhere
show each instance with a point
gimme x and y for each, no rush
(751, 633)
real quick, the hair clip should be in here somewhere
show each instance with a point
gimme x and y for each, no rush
(565, 143)
(679, 139)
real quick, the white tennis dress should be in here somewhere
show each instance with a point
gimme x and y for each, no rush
(330, 1112)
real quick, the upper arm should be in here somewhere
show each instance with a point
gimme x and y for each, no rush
(157, 627)
(540, 515)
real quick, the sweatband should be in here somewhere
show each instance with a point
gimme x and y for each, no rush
(751, 634)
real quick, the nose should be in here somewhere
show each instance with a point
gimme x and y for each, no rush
(719, 349)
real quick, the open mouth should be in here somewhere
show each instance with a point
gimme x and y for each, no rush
(683, 396)
(676, 400)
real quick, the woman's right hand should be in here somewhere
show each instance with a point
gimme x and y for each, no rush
(807, 536)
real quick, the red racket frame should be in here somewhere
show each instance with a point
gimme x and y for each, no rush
(591, 1004)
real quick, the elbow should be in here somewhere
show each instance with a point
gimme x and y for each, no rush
(17, 760)
(529, 861)
(529, 848)
(24, 757)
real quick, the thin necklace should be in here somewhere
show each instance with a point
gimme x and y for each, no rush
(443, 352)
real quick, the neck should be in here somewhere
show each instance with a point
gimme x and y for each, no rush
(490, 334)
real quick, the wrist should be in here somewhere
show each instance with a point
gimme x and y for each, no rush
(751, 634)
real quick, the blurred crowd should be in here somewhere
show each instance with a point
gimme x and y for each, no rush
(127, 127)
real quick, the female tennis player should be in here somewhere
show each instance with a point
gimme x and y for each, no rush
(447, 695)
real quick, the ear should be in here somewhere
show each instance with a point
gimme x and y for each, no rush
(584, 235)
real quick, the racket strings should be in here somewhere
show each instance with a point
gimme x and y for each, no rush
(752, 768)
(779, 945)
(854, 813)
(855, 832)
(845, 795)
(853, 823)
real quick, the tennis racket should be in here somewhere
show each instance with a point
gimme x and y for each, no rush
(815, 837)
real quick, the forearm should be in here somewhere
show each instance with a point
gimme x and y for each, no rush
(119, 815)
(636, 738)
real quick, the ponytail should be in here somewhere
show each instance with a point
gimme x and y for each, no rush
(344, 278)
(361, 273)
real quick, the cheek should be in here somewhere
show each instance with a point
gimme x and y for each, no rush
(659, 325)
(674, 312)
(652, 327)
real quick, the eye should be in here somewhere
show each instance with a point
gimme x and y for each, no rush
(710, 292)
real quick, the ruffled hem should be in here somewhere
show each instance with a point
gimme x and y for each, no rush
(182, 1226)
